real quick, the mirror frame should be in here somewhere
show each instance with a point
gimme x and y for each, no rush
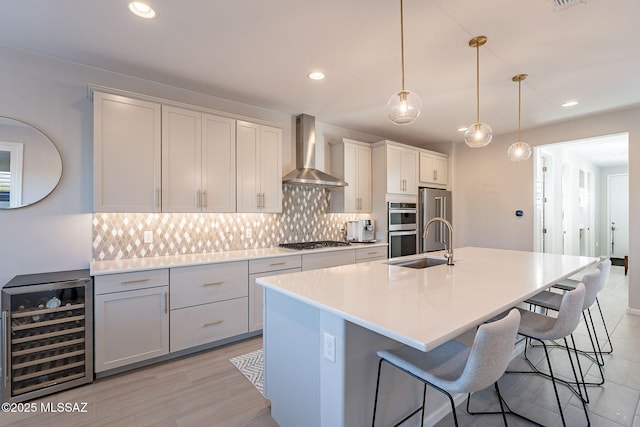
(22, 154)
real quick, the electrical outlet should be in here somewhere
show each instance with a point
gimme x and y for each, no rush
(329, 347)
(148, 236)
(247, 233)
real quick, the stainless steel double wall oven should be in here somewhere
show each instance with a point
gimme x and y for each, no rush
(403, 228)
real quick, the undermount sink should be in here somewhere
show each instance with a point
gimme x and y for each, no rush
(420, 262)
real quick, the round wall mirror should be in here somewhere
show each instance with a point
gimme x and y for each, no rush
(30, 165)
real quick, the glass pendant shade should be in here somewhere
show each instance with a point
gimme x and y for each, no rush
(478, 135)
(404, 107)
(519, 151)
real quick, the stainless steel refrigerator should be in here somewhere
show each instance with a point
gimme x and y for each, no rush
(433, 203)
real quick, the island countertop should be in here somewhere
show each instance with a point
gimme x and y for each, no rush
(424, 308)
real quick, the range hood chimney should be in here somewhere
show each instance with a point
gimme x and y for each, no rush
(305, 172)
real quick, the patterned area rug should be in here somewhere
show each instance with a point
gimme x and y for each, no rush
(250, 365)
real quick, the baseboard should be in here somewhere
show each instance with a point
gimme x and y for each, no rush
(633, 311)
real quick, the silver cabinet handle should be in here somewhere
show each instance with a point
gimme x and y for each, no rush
(204, 199)
(273, 264)
(212, 283)
(435, 174)
(166, 303)
(262, 200)
(156, 198)
(217, 322)
(128, 282)
(5, 344)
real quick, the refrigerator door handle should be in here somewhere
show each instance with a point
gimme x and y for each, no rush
(444, 215)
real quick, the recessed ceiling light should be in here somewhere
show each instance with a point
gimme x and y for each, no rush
(316, 75)
(462, 129)
(142, 10)
(570, 103)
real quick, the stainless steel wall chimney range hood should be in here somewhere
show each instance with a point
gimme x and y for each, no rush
(305, 172)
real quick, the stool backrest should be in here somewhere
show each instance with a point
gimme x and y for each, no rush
(490, 354)
(569, 314)
(605, 268)
(592, 284)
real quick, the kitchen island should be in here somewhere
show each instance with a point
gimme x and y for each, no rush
(323, 328)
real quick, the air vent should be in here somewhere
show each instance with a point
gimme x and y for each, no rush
(563, 4)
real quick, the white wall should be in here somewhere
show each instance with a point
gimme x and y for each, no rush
(488, 187)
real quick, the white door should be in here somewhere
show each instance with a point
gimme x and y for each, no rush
(618, 191)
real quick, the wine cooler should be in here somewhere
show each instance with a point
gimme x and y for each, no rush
(47, 334)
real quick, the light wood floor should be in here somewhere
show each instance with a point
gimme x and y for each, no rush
(204, 389)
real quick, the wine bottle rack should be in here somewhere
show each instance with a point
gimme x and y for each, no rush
(47, 344)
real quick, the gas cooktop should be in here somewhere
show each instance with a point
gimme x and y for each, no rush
(314, 245)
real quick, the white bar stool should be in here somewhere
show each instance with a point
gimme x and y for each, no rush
(457, 368)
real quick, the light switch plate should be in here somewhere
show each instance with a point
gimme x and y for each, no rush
(148, 236)
(247, 233)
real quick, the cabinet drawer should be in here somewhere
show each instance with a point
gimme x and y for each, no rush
(276, 263)
(328, 259)
(203, 284)
(207, 323)
(119, 282)
(367, 253)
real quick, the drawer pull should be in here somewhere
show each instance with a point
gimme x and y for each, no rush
(372, 253)
(217, 322)
(128, 282)
(273, 264)
(212, 283)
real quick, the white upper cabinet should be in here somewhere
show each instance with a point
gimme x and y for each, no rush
(402, 170)
(433, 169)
(198, 161)
(351, 161)
(126, 154)
(259, 168)
(181, 165)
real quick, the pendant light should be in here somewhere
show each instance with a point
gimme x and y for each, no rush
(478, 134)
(404, 106)
(519, 151)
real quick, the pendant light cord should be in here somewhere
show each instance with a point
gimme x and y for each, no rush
(478, 83)
(519, 106)
(402, 41)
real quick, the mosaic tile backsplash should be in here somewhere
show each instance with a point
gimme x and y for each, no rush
(304, 217)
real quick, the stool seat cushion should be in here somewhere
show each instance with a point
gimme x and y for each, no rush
(546, 299)
(441, 366)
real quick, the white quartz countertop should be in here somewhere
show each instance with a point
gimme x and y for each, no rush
(424, 308)
(98, 268)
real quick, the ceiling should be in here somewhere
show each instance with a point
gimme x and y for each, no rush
(260, 52)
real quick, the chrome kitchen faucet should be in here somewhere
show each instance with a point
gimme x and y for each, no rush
(448, 254)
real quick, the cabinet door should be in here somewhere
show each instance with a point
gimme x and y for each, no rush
(433, 169)
(351, 176)
(364, 179)
(271, 169)
(248, 166)
(181, 164)
(218, 164)
(126, 154)
(440, 169)
(395, 182)
(131, 327)
(410, 171)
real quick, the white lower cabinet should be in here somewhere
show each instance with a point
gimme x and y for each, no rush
(208, 303)
(371, 254)
(263, 268)
(131, 318)
(328, 259)
(202, 324)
